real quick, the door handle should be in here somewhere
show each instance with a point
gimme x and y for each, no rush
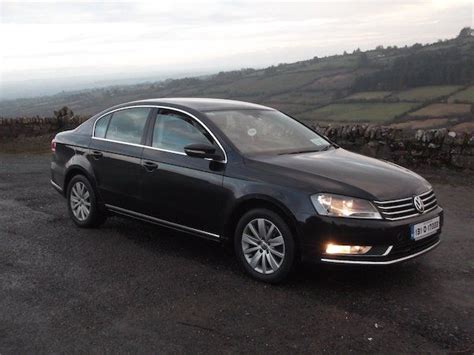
(150, 166)
(97, 155)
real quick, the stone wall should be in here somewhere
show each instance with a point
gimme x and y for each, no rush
(11, 128)
(437, 147)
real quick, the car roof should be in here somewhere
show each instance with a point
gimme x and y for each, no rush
(204, 104)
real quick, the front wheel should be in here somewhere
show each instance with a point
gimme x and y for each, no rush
(264, 245)
(82, 203)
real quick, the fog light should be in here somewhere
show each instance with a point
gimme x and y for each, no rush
(347, 249)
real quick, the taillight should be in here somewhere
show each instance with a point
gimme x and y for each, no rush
(53, 145)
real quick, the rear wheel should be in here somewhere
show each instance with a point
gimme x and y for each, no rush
(264, 245)
(82, 203)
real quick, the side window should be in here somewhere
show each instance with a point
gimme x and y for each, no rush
(101, 126)
(128, 125)
(174, 130)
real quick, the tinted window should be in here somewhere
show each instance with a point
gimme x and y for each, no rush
(101, 126)
(174, 130)
(128, 125)
(266, 131)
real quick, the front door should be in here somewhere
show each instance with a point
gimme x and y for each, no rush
(115, 155)
(185, 191)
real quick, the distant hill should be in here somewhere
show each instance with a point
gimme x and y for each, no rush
(421, 85)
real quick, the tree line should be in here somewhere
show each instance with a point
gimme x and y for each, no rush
(449, 66)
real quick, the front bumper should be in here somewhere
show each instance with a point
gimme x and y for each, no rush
(56, 187)
(391, 240)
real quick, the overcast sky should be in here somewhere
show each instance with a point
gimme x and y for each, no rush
(57, 39)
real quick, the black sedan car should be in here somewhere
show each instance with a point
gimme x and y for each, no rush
(245, 174)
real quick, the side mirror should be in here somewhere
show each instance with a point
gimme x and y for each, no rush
(200, 150)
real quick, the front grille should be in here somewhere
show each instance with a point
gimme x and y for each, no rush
(411, 246)
(404, 208)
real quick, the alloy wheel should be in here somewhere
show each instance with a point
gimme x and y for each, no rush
(80, 201)
(263, 246)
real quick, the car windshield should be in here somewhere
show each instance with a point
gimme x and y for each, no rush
(267, 132)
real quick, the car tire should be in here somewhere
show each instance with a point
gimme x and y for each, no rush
(82, 204)
(265, 245)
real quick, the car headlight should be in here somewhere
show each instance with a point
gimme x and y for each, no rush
(344, 206)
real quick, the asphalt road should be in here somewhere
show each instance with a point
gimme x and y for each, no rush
(133, 287)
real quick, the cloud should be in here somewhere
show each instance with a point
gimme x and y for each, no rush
(62, 37)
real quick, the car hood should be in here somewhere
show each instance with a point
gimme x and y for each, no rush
(343, 172)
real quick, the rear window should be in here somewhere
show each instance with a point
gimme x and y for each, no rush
(101, 126)
(128, 125)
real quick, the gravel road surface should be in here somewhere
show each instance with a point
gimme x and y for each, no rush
(134, 287)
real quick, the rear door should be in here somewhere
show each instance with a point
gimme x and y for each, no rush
(115, 154)
(177, 188)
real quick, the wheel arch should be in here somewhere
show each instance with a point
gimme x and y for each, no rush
(259, 201)
(77, 169)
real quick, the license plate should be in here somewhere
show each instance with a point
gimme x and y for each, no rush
(424, 229)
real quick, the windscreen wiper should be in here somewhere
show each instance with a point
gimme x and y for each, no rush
(329, 146)
(301, 151)
(312, 150)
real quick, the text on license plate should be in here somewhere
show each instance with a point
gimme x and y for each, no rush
(424, 229)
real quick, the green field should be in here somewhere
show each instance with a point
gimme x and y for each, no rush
(337, 62)
(363, 112)
(333, 82)
(274, 84)
(290, 109)
(363, 86)
(463, 96)
(301, 98)
(368, 95)
(424, 93)
(443, 110)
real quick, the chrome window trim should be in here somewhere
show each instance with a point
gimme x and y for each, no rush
(382, 262)
(114, 141)
(139, 145)
(165, 150)
(194, 151)
(159, 221)
(155, 148)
